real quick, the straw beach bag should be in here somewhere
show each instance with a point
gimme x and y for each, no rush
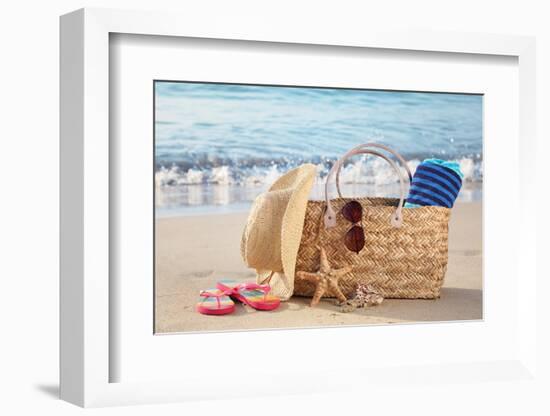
(405, 249)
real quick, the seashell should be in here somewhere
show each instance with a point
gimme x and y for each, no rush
(366, 296)
(374, 299)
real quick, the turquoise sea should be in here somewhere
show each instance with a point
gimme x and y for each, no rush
(218, 145)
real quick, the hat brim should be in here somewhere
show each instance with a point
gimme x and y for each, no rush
(293, 225)
(296, 186)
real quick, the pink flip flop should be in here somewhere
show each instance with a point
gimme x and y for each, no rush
(252, 294)
(215, 302)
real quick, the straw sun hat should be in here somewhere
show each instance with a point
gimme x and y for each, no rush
(272, 235)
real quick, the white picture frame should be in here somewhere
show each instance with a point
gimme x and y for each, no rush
(86, 356)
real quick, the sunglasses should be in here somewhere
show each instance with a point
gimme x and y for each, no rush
(354, 240)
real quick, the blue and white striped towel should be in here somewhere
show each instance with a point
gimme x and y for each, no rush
(435, 183)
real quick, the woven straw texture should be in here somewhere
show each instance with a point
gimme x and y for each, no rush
(407, 262)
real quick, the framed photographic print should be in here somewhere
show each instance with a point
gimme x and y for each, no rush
(289, 196)
(218, 147)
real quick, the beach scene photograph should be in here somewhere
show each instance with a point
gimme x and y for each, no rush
(232, 158)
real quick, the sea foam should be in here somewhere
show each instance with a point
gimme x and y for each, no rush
(361, 171)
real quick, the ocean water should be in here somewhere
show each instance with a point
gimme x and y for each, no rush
(217, 146)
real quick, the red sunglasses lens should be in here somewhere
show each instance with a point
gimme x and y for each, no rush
(352, 211)
(355, 239)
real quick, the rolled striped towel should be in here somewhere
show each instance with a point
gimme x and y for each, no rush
(435, 183)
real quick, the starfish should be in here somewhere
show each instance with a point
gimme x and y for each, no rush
(326, 278)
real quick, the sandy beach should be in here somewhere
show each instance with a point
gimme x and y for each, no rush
(193, 252)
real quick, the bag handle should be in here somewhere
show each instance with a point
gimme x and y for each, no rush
(397, 218)
(356, 151)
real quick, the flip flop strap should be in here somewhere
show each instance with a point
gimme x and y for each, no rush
(251, 286)
(207, 295)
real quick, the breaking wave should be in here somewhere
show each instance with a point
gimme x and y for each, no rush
(361, 171)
